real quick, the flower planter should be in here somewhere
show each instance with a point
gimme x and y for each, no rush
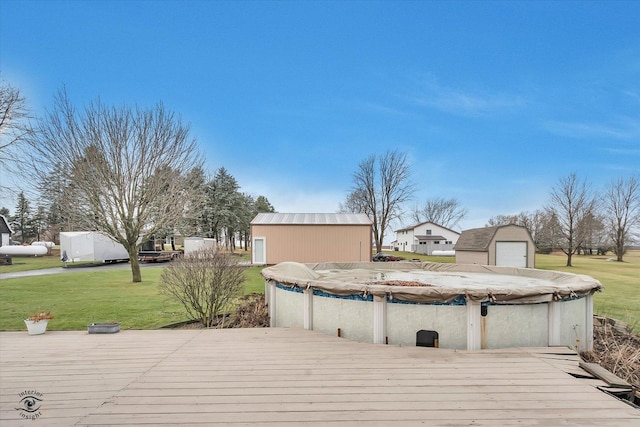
(36, 328)
(103, 328)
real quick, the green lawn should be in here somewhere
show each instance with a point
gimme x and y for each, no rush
(32, 263)
(621, 280)
(411, 255)
(621, 296)
(80, 298)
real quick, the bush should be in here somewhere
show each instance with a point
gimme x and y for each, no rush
(252, 313)
(206, 283)
(617, 349)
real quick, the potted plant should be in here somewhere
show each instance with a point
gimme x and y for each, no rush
(37, 323)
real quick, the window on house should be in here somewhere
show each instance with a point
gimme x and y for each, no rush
(428, 232)
(436, 242)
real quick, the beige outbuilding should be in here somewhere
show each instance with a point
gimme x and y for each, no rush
(310, 237)
(503, 245)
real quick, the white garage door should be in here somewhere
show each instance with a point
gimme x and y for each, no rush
(511, 254)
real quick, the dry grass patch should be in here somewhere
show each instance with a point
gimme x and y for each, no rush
(617, 349)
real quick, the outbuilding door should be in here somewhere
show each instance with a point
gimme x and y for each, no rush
(259, 248)
(511, 254)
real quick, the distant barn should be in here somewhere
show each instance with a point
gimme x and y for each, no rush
(504, 245)
(310, 237)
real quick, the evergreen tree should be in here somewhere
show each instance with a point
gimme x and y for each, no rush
(262, 205)
(39, 223)
(222, 205)
(23, 218)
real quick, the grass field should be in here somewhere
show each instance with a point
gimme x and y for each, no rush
(83, 297)
(621, 280)
(32, 263)
(80, 298)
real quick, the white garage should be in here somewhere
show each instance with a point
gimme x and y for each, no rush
(511, 254)
(504, 245)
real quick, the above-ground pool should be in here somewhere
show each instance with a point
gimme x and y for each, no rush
(454, 306)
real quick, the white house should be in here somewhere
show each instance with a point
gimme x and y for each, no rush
(424, 238)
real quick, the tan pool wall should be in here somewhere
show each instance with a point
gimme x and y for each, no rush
(505, 326)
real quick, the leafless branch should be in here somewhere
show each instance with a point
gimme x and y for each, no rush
(205, 283)
(622, 210)
(126, 168)
(381, 185)
(445, 212)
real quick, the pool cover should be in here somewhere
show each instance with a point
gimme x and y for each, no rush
(426, 282)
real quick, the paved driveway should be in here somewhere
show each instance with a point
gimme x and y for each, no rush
(59, 270)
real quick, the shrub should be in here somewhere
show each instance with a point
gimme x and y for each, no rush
(206, 283)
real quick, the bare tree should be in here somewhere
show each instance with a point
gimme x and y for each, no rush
(592, 233)
(128, 167)
(539, 223)
(14, 126)
(354, 203)
(205, 282)
(380, 186)
(445, 212)
(622, 211)
(505, 220)
(573, 204)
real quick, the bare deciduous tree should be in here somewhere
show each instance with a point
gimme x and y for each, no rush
(354, 203)
(380, 186)
(539, 223)
(128, 167)
(622, 211)
(14, 126)
(205, 282)
(572, 203)
(445, 212)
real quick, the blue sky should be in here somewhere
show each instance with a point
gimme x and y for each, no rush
(493, 102)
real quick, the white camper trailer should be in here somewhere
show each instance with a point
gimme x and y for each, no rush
(76, 246)
(192, 244)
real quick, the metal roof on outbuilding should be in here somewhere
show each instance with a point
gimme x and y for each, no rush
(310, 219)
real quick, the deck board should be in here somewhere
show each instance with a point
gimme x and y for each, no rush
(262, 377)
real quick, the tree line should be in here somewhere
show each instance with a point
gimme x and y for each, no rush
(577, 217)
(581, 219)
(225, 213)
(134, 172)
(129, 172)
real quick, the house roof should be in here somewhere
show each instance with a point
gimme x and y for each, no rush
(413, 227)
(423, 238)
(310, 219)
(4, 226)
(478, 239)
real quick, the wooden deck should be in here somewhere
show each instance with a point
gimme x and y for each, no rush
(290, 377)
